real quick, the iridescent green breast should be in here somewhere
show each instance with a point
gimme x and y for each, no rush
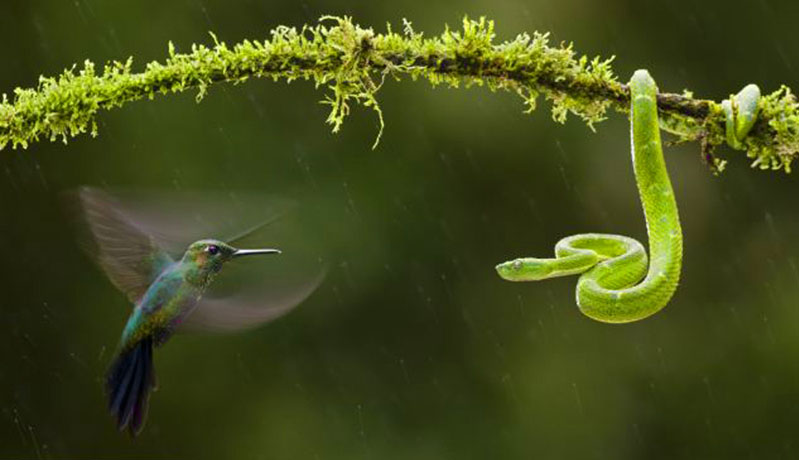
(162, 307)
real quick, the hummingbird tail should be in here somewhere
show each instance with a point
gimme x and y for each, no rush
(128, 384)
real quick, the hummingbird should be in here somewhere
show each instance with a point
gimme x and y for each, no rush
(166, 293)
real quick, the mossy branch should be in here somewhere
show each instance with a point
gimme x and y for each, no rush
(351, 62)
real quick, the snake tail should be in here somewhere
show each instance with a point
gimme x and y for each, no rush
(741, 111)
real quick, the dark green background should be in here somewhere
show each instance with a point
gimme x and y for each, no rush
(412, 347)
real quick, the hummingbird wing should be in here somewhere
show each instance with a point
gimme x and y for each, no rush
(176, 218)
(128, 255)
(249, 310)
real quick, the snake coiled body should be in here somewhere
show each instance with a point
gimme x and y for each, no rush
(618, 283)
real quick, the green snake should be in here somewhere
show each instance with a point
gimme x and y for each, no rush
(618, 282)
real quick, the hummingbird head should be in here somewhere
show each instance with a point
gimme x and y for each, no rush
(206, 257)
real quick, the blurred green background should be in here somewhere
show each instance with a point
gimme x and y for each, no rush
(412, 347)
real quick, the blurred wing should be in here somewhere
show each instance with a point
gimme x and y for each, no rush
(176, 218)
(239, 312)
(129, 256)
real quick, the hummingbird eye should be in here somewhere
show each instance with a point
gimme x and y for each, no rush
(212, 249)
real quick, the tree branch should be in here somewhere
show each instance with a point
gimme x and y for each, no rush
(352, 62)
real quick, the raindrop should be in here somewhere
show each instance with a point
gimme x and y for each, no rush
(404, 371)
(578, 398)
(508, 380)
(35, 442)
(80, 12)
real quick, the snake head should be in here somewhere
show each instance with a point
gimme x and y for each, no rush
(526, 269)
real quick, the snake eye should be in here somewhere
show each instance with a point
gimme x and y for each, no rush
(212, 249)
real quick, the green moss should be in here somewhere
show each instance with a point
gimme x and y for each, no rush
(774, 142)
(350, 63)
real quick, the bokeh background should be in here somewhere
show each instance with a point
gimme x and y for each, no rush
(412, 347)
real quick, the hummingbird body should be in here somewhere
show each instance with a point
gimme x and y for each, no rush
(174, 293)
(165, 304)
(170, 299)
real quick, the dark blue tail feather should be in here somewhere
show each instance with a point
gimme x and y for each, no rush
(128, 383)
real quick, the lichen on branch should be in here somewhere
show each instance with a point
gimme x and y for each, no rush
(351, 62)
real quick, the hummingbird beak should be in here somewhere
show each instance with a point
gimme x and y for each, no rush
(249, 252)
